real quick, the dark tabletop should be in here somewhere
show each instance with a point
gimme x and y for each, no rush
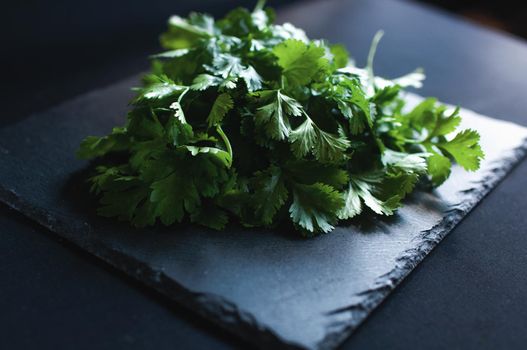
(470, 291)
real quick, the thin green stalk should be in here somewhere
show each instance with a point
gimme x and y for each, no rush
(260, 5)
(371, 55)
(226, 142)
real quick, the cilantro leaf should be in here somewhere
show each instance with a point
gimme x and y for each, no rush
(270, 193)
(182, 34)
(124, 197)
(465, 149)
(303, 138)
(226, 65)
(439, 168)
(299, 61)
(252, 79)
(211, 216)
(308, 138)
(205, 81)
(273, 117)
(409, 162)
(340, 55)
(364, 188)
(172, 195)
(159, 87)
(93, 146)
(220, 108)
(314, 207)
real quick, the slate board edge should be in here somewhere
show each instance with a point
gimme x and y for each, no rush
(429, 239)
(211, 307)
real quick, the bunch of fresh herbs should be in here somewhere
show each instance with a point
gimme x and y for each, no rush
(247, 119)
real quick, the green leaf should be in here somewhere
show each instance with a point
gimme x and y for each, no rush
(226, 65)
(181, 190)
(171, 196)
(93, 146)
(365, 188)
(330, 148)
(354, 105)
(352, 204)
(105, 178)
(142, 151)
(210, 216)
(438, 168)
(358, 98)
(395, 186)
(423, 116)
(171, 53)
(413, 79)
(161, 88)
(240, 22)
(220, 154)
(288, 31)
(182, 35)
(204, 22)
(386, 95)
(465, 149)
(314, 207)
(178, 132)
(311, 171)
(273, 117)
(309, 138)
(252, 79)
(260, 18)
(300, 62)
(122, 201)
(143, 124)
(205, 81)
(340, 56)
(447, 124)
(270, 194)
(409, 162)
(220, 108)
(303, 138)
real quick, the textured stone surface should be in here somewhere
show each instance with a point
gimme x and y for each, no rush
(270, 287)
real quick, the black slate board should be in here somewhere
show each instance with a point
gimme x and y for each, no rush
(268, 287)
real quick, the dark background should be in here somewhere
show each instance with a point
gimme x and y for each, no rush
(50, 47)
(469, 293)
(507, 15)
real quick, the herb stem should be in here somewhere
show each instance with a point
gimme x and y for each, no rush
(371, 55)
(226, 142)
(260, 5)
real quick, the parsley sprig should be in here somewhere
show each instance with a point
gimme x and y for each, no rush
(248, 119)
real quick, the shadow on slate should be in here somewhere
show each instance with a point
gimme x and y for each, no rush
(271, 288)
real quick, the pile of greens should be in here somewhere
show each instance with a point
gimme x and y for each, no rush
(248, 119)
